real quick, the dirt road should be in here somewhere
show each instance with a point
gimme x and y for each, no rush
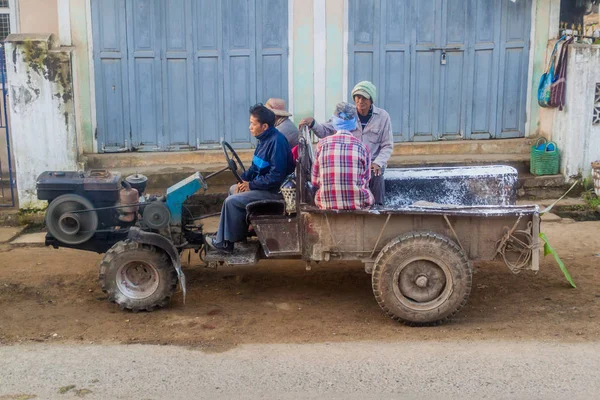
(52, 296)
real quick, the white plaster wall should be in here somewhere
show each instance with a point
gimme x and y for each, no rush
(573, 131)
(43, 131)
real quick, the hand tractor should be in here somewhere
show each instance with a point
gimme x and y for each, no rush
(418, 248)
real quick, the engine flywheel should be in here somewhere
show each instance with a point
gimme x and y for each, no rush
(156, 215)
(69, 220)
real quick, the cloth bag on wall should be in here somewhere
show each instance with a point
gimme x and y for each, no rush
(548, 77)
(558, 89)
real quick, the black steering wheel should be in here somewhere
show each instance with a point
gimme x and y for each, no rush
(231, 161)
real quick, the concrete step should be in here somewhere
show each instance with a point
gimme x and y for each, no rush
(160, 178)
(119, 161)
(413, 152)
(163, 176)
(545, 187)
(567, 202)
(472, 147)
(530, 186)
(519, 161)
(168, 168)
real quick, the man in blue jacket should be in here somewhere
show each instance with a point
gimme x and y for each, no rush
(271, 164)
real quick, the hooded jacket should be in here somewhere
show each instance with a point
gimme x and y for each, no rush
(272, 162)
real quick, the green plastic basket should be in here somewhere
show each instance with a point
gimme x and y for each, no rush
(542, 161)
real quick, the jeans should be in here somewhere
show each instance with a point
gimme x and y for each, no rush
(233, 226)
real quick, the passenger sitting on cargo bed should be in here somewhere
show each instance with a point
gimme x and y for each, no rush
(341, 170)
(283, 123)
(374, 129)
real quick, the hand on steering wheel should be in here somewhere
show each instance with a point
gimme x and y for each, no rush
(234, 161)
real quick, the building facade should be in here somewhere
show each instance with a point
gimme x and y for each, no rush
(179, 75)
(155, 75)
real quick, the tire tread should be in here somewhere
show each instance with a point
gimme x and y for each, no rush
(121, 248)
(413, 239)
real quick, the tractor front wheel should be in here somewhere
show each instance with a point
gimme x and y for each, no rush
(137, 277)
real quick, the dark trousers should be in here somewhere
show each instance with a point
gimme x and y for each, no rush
(233, 226)
(377, 187)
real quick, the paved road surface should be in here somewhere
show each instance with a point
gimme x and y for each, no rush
(457, 370)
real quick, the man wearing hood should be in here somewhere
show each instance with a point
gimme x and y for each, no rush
(341, 168)
(374, 130)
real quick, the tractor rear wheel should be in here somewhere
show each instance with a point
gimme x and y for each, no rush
(137, 277)
(422, 278)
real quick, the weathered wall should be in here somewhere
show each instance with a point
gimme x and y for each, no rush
(546, 25)
(81, 74)
(334, 76)
(38, 16)
(41, 103)
(545, 115)
(329, 51)
(303, 54)
(577, 138)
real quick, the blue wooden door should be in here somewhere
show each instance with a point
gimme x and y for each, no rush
(514, 63)
(425, 93)
(144, 64)
(181, 74)
(178, 75)
(445, 69)
(111, 75)
(271, 49)
(240, 67)
(451, 59)
(484, 70)
(209, 73)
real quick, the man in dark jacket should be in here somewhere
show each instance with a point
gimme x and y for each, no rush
(271, 164)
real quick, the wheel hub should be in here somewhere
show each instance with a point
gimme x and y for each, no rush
(137, 280)
(421, 281)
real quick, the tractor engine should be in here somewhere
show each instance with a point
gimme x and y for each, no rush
(82, 205)
(93, 210)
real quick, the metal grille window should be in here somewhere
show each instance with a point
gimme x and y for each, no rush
(7, 24)
(4, 26)
(6, 18)
(596, 119)
(4, 32)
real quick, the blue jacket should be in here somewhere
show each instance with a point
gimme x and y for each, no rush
(272, 162)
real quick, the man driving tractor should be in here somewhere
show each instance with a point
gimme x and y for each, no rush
(271, 164)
